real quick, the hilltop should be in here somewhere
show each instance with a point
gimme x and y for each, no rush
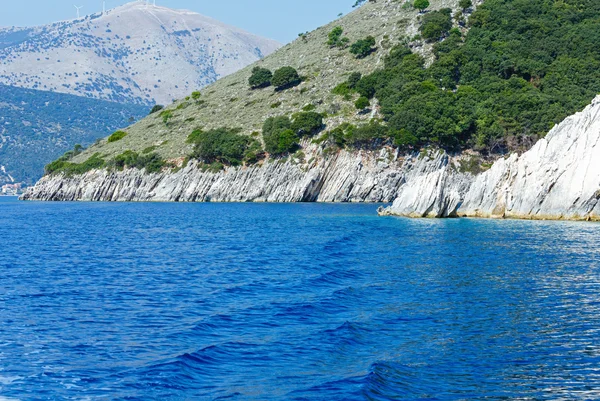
(135, 53)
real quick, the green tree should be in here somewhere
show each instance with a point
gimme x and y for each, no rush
(285, 77)
(260, 78)
(436, 24)
(156, 108)
(363, 47)
(362, 103)
(307, 123)
(465, 4)
(278, 136)
(421, 4)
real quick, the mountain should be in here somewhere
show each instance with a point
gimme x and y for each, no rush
(386, 103)
(38, 126)
(135, 53)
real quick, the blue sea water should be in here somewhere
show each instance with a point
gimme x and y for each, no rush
(125, 301)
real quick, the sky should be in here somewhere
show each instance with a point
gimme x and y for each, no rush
(281, 20)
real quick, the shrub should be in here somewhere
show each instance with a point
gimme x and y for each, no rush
(365, 134)
(436, 24)
(62, 165)
(336, 39)
(166, 116)
(195, 136)
(465, 4)
(307, 123)
(196, 95)
(362, 103)
(260, 78)
(152, 162)
(285, 77)
(421, 4)
(117, 136)
(353, 79)
(156, 108)
(224, 145)
(363, 47)
(278, 136)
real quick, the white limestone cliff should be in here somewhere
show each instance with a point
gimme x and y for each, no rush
(559, 178)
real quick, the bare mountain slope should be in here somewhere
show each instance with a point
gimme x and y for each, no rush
(135, 53)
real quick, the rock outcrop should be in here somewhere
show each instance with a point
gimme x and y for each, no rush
(358, 176)
(559, 178)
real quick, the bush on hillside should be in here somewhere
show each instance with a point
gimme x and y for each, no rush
(362, 103)
(285, 77)
(62, 165)
(335, 38)
(156, 108)
(260, 78)
(363, 47)
(307, 123)
(117, 136)
(436, 24)
(421, 4)
(278, 136)
(224, 145)
(151, 162)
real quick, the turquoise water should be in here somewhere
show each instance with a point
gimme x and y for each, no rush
(293, 302)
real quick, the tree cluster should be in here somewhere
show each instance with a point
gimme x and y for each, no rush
(523, 67)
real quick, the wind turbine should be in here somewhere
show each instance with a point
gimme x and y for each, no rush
(78, 8)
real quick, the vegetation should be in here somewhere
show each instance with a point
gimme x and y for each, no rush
(363, 47)
(156, 108)
(421, 4)
(260, 78)
(307, 123)
(516, 74)
(117, 136)
(224, 145)
(465, 4)
(63, 165)
(278, 136)
(436, 24)
(336, 39)
(285, 77)
(152, 162)
(362, 103)
(196, 95)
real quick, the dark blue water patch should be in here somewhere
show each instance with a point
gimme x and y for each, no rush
(293, 302)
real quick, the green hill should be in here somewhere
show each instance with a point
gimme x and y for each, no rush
(494, 79)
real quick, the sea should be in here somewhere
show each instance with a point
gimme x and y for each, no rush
(166, 301)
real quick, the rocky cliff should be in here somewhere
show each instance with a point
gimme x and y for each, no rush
(358, 176)
(559, 178)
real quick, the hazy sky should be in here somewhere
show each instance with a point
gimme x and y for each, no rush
(276, 19)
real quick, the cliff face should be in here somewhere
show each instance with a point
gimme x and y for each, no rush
(559, 178)
(343, 177)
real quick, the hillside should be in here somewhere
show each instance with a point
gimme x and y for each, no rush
(131, 54)
(230, 102)
(436, 94)
(38, 126)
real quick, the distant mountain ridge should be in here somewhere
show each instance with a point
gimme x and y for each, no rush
(135, 53)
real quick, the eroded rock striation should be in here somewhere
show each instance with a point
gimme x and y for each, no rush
(559, 178)
(358, 176)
